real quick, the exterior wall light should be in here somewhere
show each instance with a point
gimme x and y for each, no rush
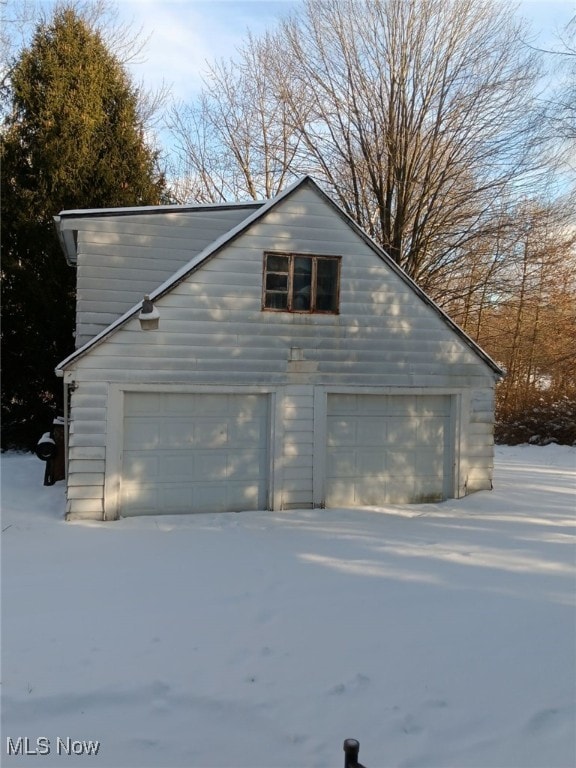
(149, 315)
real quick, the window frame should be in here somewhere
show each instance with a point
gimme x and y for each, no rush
(314, 258)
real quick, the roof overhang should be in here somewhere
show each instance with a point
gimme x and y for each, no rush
(68, 237)
(67, 222)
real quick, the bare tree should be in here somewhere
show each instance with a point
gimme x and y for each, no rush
(234, 142)
(562, 59)
(529, 323)
(563, 108)
(418, 114)
(16, 19)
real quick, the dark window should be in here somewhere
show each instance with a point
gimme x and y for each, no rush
(297, 283)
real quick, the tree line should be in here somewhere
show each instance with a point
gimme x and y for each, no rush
(427, 120)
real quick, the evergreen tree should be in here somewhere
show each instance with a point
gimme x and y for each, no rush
(72, 137)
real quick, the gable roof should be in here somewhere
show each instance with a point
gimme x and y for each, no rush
(228, 237)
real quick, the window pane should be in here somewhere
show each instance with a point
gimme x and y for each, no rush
(327, 285)
(302, 284)
(276, 300)
(276, 282)
(302, 265)
(275, 263)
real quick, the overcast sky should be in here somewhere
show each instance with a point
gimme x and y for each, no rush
(186, 33)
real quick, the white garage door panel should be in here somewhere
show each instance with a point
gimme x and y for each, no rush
(388, 449)
(186, 453)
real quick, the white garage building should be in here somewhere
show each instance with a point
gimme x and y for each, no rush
(282, 361)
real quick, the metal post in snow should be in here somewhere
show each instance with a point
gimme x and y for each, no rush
(351, 750)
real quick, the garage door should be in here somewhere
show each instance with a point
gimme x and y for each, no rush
(194, 453)
(388, 449)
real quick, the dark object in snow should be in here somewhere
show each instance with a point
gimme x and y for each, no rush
(351, 750)
(46, 447)
(50, 448)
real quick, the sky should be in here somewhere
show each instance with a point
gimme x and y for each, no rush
(183, 35)
(186, 34)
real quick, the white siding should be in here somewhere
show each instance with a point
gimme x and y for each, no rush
(297, 432)
(479, 461)
(121, 258)
(213, 332)
(87, 451)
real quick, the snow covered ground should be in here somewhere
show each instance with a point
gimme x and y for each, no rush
(438, 635)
